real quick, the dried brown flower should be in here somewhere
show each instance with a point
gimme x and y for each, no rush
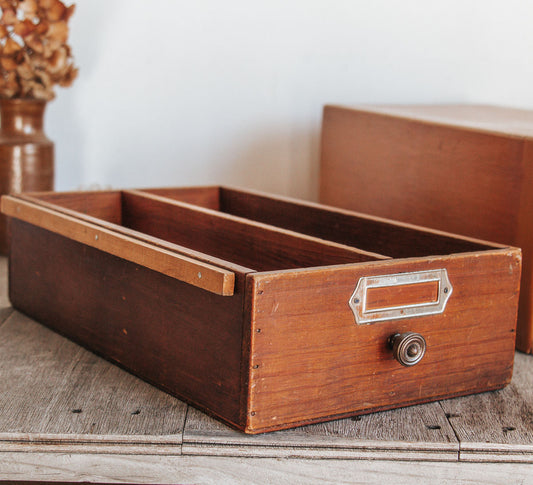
(34, 54)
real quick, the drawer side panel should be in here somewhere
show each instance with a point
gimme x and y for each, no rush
(184, 340)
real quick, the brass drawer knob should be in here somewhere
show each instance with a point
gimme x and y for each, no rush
(408, 348)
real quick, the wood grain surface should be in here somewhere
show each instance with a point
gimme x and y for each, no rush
(419, 433)
(197, 273)
(309, 358)
(389, 237)
(211, 470)
(243, 241)
(497, 425)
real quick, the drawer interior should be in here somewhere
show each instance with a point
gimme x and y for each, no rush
(368, 233)
(242, 241)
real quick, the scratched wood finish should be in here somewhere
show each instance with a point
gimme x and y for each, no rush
(184, 339)
(418, 433)
(55, 395)
(308, 358)
(252, 471)
(91, 215)
(497, 426)
(464, 169)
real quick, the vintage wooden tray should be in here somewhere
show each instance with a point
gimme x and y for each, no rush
(264, 311)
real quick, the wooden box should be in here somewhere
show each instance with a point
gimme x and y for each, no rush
(263, 311)
(463, 169)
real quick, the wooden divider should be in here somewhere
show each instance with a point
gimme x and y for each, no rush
(243, 241)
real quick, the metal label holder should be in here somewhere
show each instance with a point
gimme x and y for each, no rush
(365, 316)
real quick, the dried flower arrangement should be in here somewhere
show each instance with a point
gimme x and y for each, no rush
(34, 54)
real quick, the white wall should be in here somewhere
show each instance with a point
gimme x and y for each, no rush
(175, 92)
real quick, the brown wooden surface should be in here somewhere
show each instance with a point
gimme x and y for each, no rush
(355, 229)
(104, 205)
(243, 241)
(184, 268)
(463, 169)
(208, 197)
(5, 307)
(184, 339)
(309, 358)
(87, 208)
(402, 295)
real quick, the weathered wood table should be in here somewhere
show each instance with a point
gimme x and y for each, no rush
(66, 414)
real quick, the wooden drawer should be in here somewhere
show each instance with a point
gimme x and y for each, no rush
(463, 169)
(263, 311)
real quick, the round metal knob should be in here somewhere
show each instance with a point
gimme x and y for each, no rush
(408, 348)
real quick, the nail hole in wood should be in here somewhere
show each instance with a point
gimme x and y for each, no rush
(506, 429)
(253, 413)
(451, 415)
(137, 411)
(432, 426)
(76, 411)
(256, 366)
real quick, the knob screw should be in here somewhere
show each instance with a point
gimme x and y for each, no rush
(408, 348)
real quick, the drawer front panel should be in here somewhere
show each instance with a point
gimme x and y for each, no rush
(309, 357)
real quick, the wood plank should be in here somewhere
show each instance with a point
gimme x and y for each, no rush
(251, 244)
(252, 471)
(208, 197)
(418, 433)
(178, 266)
(94, 218)
(497, 426)
(105, 205)
(370, 233)
(56, 396)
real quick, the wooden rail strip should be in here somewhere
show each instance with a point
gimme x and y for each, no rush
(56, 205)
(178, 266)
